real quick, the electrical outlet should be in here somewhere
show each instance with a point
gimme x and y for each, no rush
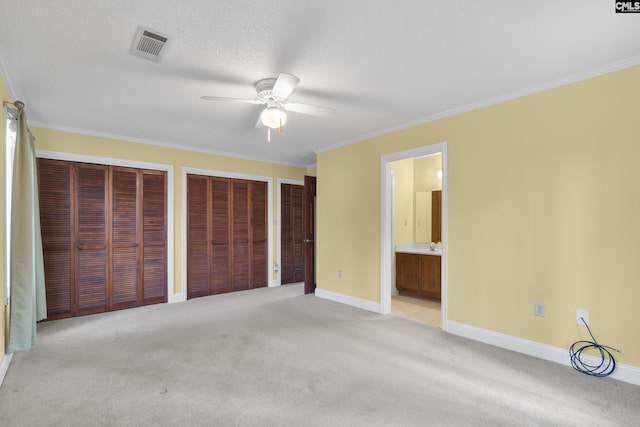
(340, 274)
(539, 309)
(582, 314)
(276, 267)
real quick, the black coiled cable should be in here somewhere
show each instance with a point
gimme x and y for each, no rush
(607, 363)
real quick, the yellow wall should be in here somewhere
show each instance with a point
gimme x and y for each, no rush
(544, 206)
(53, 140)
(4, 94)
(403, 227)
(426, 173)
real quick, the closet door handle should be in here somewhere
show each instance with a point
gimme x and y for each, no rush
(80, 247)
(135, 245)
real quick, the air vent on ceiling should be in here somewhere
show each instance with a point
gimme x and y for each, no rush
(149, 44)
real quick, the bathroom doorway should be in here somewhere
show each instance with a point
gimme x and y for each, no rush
(414, 225)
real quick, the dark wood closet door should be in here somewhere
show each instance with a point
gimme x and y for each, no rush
(154, 237)
(240, 232)
(292, 246)
(197, 236)
(91, 241)
(220, 236)
(55, 223)
(258, 239)
(125, 292)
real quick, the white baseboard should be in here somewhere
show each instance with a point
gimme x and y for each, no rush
(4, 366)
(626, 373)
(349, 300)
(177, 298)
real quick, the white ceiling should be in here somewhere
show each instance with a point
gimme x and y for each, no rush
(381, 64)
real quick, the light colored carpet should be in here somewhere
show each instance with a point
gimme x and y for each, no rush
(274, 357)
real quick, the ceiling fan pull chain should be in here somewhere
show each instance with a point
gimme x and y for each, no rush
(280, 125)
(268, 134)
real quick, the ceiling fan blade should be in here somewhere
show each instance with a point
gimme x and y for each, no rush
(259, 123)
(312, 110)
(285, 84)
(244, 101)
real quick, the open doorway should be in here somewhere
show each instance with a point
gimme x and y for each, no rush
(414, 234)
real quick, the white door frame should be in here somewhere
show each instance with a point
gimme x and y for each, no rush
(386, 223)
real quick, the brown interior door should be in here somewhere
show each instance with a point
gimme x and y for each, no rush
(309, 214)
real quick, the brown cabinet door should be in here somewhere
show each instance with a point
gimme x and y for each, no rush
(258, 234)
(91, 239)
(408, 271)
(154, 237)
(124, 238)
(430, 271)
(55, 224)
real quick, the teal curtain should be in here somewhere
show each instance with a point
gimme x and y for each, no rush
(28, 298)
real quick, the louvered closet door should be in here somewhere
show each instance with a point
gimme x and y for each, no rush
(286, 234)
(298, 234)
(125, 257)
(154, 237)
(240, 233)
(91, 241)
(292, 255)
(258, 240)
(55, 222)
(220, 240)
(198, 245)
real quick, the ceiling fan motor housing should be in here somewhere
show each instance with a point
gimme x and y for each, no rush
(264, 88)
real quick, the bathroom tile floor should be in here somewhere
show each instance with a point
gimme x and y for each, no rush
(420, 310)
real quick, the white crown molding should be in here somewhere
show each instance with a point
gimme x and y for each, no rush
(135, 140)
(519, 93)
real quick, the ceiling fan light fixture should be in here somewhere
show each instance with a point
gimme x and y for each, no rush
(273, 117)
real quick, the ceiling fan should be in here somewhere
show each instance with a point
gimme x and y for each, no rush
(274, 93)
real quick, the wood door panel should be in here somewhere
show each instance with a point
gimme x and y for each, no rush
(92, 273)
(197, 236)
(220, 272)
(298, 235)
(258, 240)
(155, 274)
(91, 238)
(54, 183)
(220, 280)
(198, 271)
(124, 289)
(286, 234)
(92, 228)
(57, 266)
(124, 238)
(154, 230)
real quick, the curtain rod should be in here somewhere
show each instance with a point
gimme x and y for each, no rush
(18, 104)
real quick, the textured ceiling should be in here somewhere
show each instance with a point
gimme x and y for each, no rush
(381, 64)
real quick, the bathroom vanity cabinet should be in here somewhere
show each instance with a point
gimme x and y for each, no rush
(418, 273)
